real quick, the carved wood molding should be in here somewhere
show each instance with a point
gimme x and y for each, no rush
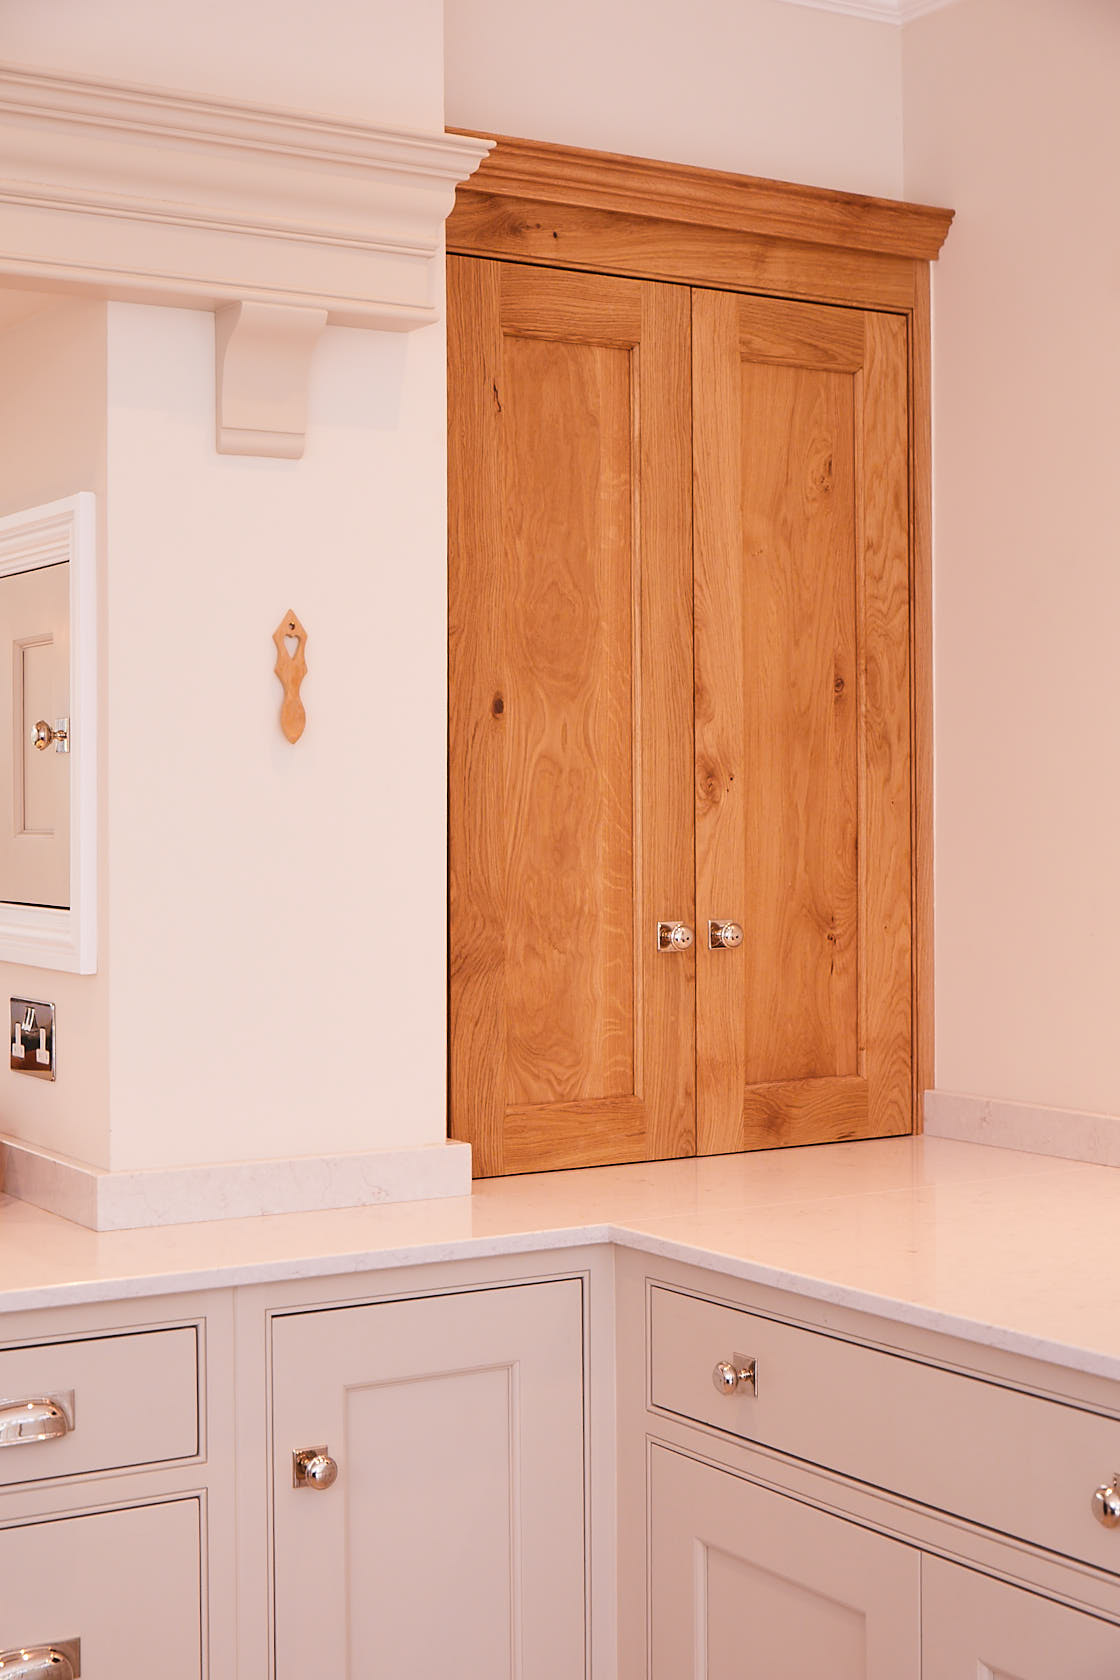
(535, 170)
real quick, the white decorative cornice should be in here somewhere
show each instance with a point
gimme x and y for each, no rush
(880, 11)
(138, 193)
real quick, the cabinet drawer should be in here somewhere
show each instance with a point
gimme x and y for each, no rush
(126, 1585)
(1015, 1463)
(130, 1400)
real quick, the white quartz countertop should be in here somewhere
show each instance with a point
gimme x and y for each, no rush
(1010, 1250)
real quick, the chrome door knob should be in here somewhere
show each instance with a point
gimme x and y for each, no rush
(674, 936)
(724, 936)
(737, 1372)
(1106, 1504)
(313, 1467)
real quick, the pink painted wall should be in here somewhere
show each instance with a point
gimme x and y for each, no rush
(1012, 116)
(750, 85)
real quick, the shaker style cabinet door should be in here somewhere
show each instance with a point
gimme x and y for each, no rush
(571, 831)
(974, 1628)
(452, 1540)
(118, 1595)
(34, 782)
(802, 721)
(746, 1582)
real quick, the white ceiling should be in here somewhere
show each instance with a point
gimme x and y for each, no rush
(884, 11)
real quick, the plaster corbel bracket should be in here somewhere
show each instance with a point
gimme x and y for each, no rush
(263, 357)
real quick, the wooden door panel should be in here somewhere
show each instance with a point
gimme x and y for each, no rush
(802, 721)
(570, 821)
(453, 1540)
(743, 1581)
(974, 1628)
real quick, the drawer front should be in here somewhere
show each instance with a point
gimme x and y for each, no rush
(134, 1401)
(1012, 1462)
(126, 1585)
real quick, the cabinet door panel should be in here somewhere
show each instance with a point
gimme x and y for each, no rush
(126, 1584)
(802, 721)
(34, 685)
(571, 686)
(452, 1541)
(747, 1582)
(974, 1628)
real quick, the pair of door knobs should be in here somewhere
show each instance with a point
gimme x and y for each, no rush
(678, 936)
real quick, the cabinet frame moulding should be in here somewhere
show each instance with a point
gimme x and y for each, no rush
(140, 194)
(51, 534)
(559, 206)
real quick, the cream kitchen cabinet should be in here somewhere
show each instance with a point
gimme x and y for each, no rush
(797, 1494)
(440, 1527)
(742, 1580)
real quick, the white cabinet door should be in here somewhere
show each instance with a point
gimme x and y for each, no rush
(452, 1542)
(746, 1582)
(34, 785)
(126, 1584)
(974, 1628)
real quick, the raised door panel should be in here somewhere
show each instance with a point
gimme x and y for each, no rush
(34, 784)
(743, 1581)
(126, 1584)
(453, 1540)
(802, 721)
(974, 1628)
(570, 737)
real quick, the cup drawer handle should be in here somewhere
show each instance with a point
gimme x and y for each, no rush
(22, 1422)
(43, 1662)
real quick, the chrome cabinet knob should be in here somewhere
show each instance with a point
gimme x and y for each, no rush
(312, 1467)
(42, 735)
(43, 1662)
(23, 1422)
(737, 1372)
(674, 936)
(1106, 1504)
(724, 936)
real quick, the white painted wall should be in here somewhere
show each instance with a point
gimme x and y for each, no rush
(361, 59)
(755, 86)
(52, 444)
(273, 972)
(276, 910)
(1012, 116)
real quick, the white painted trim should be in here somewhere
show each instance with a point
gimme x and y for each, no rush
(1067, 1133)
(55, 532)
(126, 1201)
(143, 194)
(879, 11)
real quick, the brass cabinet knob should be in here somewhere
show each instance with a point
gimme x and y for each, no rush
(739, 1371)
(674, 936)
(312, 1467)
(42, 735)
(724, 936)
(1106, 1504)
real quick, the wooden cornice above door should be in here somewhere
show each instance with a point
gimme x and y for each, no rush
(539, 172)
(141, 194)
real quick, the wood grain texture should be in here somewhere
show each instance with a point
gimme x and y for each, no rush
(802, 728)
(291, 668)
(887, 945)
(921, 640)
(682, 193)
(602, 241)
(571, 673)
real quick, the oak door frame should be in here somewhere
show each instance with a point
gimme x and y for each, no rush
(556, 206)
